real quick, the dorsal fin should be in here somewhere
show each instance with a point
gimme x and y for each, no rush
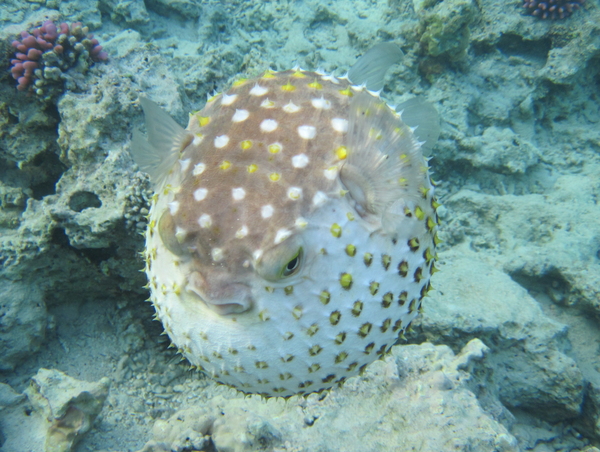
(419, 113)
(166, 139)
(384, 163)
(370, 68)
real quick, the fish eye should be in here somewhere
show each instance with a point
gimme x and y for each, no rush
(293, 265)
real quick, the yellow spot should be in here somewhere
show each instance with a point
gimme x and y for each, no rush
(428, 256)
(288, 87)
(252, 168)
(240, 82)
(245, 145)
(203, 120)
(176, 289)
(341, 152)
(312, 330)
(213, 98)
(436, 240)
(351, 250)
(341, 357)
(424, 191)
(403, 269)
(399, 131)
(387, 300)
(346, 280)
(413, 244)
(403, 181)
(299, 74)
(419, 213)
(334, 317)
(350, 216)
(374, 287)
(435, 204)
(263, 315)
(274, 148)
(314, 368)
(403, 157)
(226, 164)
(386, 324)
(315, 350)
(297, 312)
(368, 259)
(151, 226)
(285, 376)
(261, 364)
(347, 92)
(315, 85)
(430, 224)
(357, 308)
(386, 260)
(365, 329)
(324, 297)
(340, 338)
(274, 177)
(288, 290)
(336, 230)
(268, 74)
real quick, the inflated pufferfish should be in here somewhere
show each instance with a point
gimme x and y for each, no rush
(292, 234)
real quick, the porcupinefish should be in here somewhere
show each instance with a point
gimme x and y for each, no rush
(292, 234)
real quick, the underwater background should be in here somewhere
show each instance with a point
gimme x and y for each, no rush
(506, 353)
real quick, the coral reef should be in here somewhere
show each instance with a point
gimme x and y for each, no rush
(552, 9)
(45, 53)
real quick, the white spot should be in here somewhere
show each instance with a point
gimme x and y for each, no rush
(221, 141)
(198, 169)
(184, 164)
(330, 78)
(307, 132)
(238, 193)
(339, 125)
(200, 194)
(300, 161)
(294, 193)
(321, 104)
(291, 107)
(173, 207)
(258, 90)
(180, 234)
(267, 211)
(198, 139)
(256, 255)
(331, 173)
(217, 254)
(240, 115)
(268, 125)
(301, 222)
(241, 232)
(228, 100)
(267, 103)
(205, 221)
(281, 235)
(319, 199)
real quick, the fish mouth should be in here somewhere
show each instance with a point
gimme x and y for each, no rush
(221, 297)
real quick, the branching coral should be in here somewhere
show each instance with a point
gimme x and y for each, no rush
(45, 53)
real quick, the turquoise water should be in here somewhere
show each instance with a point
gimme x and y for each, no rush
(505, 355)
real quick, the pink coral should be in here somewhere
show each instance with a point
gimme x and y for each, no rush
(66, 44)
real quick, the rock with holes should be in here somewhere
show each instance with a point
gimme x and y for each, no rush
(292, 233)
